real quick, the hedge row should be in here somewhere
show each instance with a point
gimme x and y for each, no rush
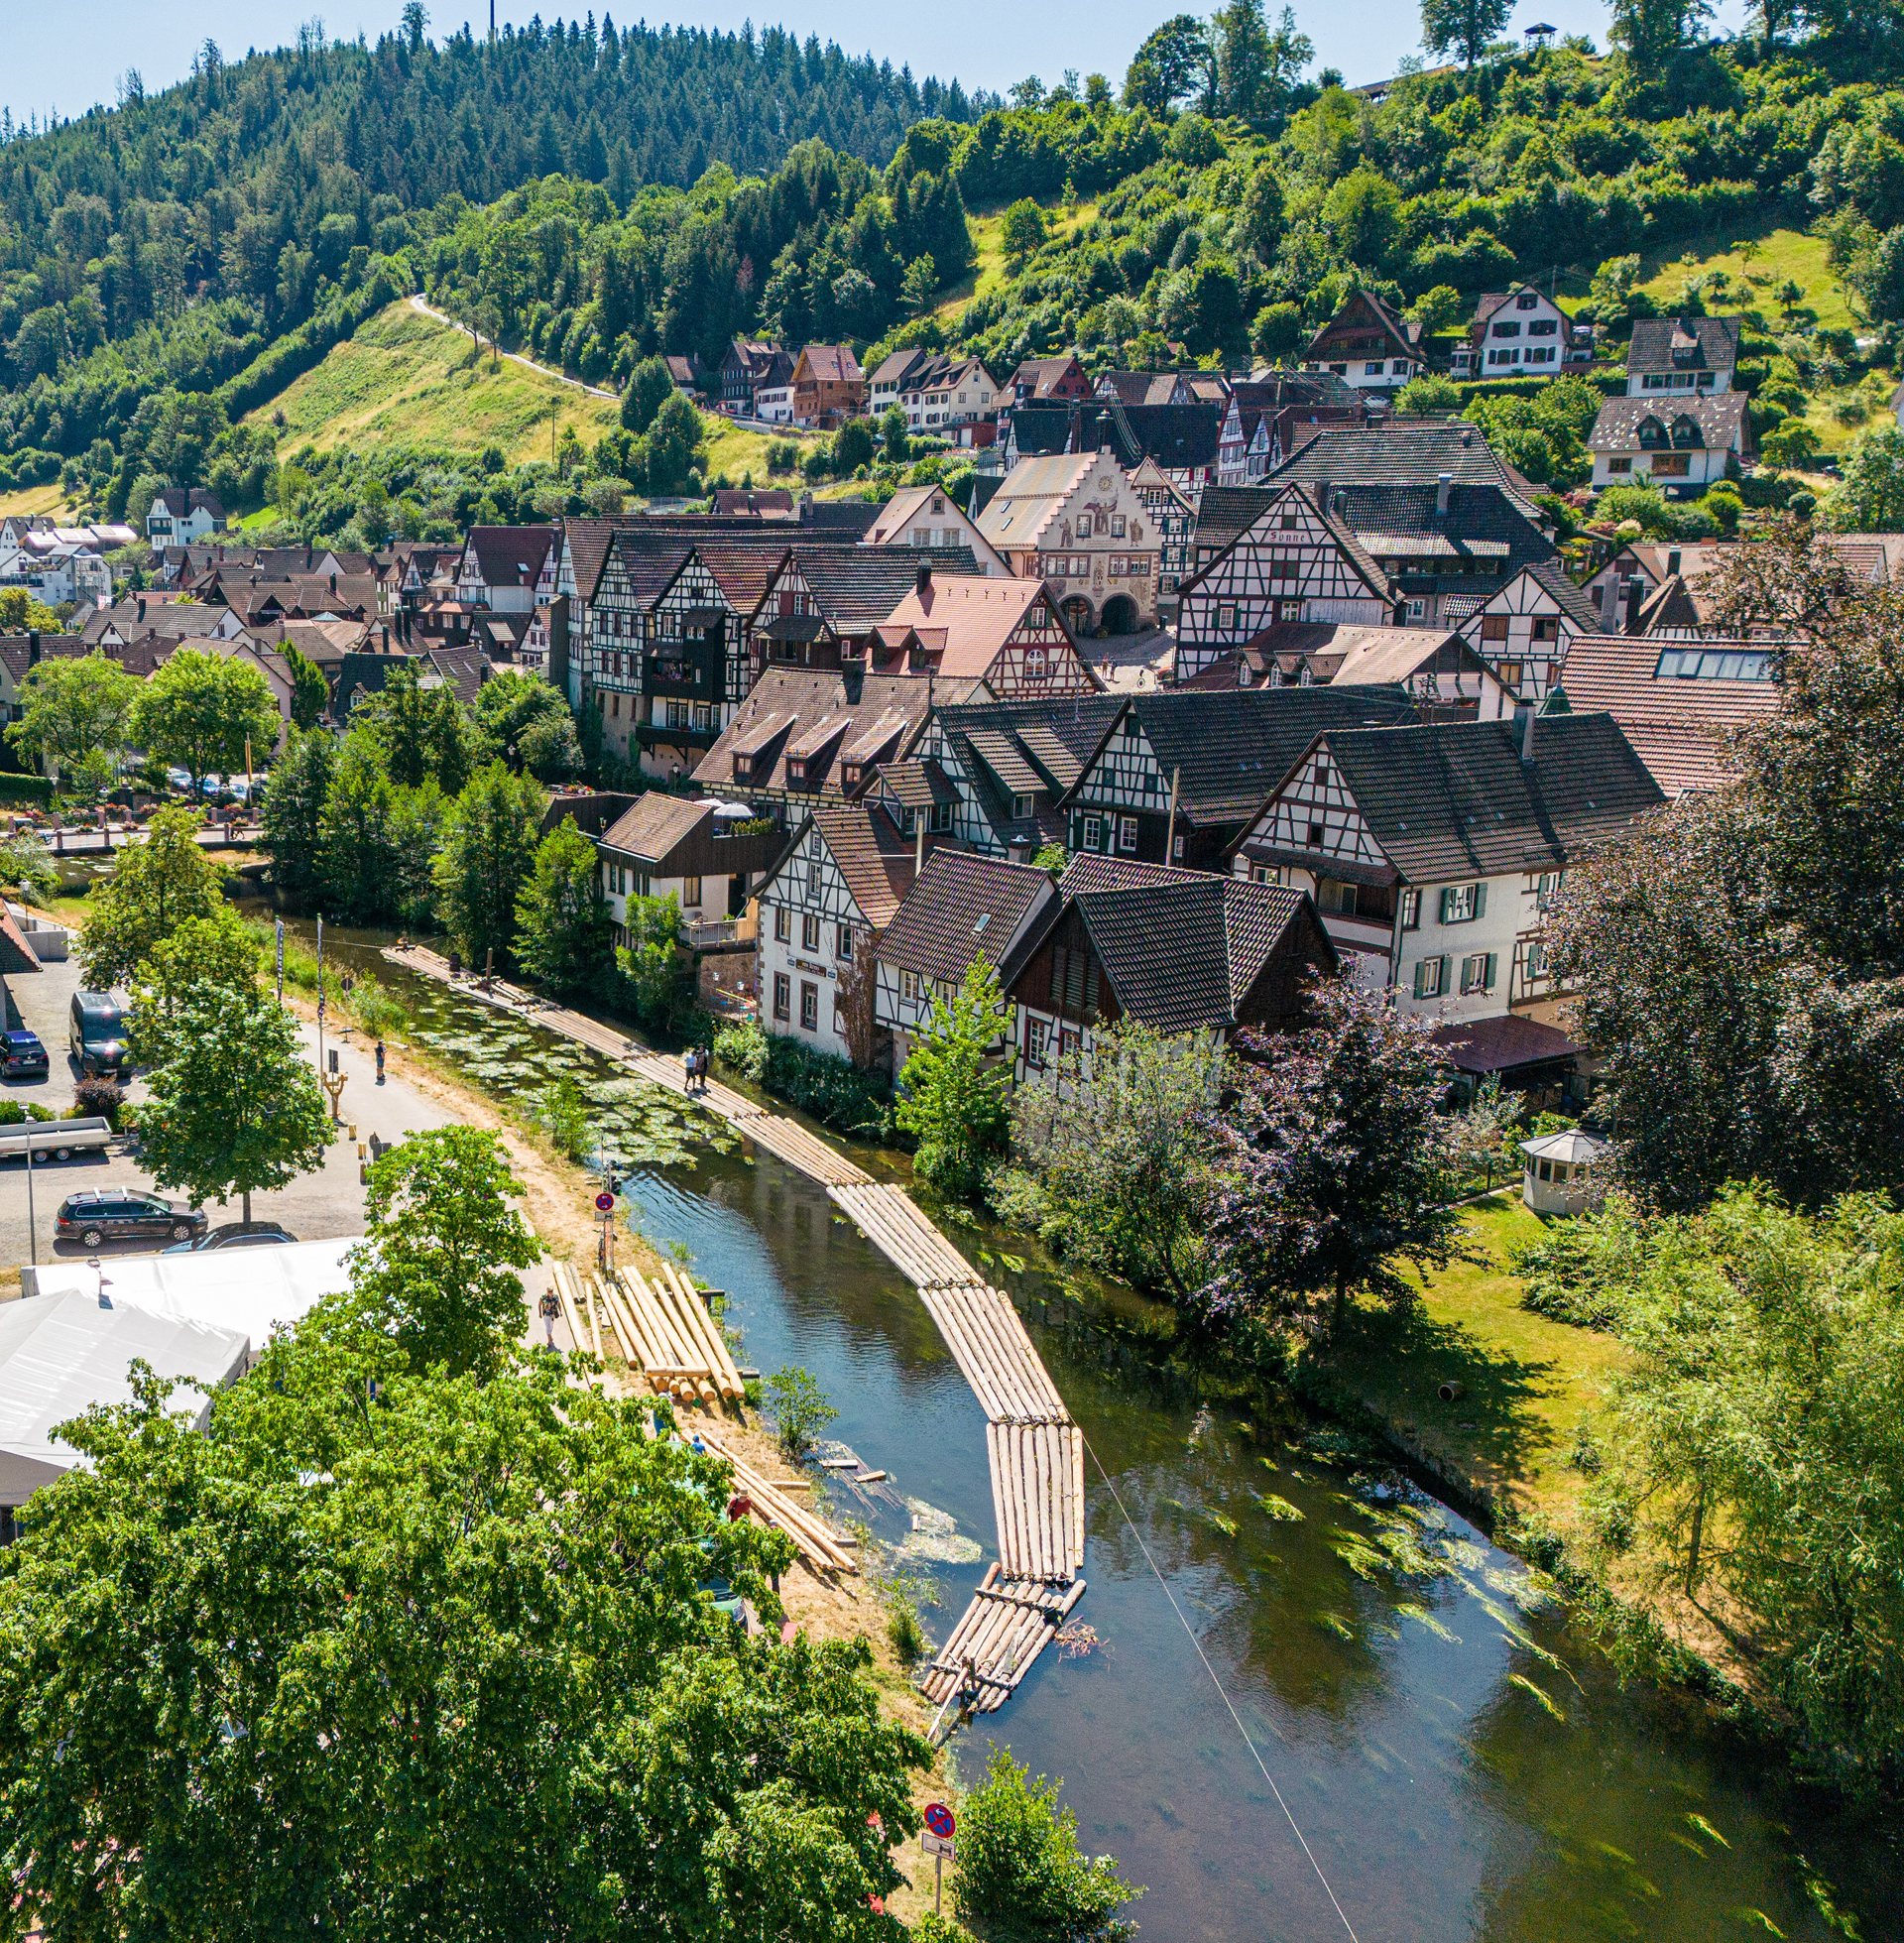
(306, 347)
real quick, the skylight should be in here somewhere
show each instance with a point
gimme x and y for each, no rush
(1715, 664)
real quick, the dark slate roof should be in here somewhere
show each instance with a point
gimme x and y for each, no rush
(1181, 948)
(463, 670)
(1000, 743)
(788, 704)
(1454, 799)
(1713, 343)
(1225, 511)
(1233, 749)
(1721, 419)
(1398, 453)
(1041, 431)
(964, 904)
(1177, 437)
(16, 650)
(511, 556)
(840, 516)
(854, 588)
(1483, 528)
(1572, 600)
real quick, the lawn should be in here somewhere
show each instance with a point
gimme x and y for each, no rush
(33, 498)
(1527, 1383)
(410, 380)
(988, 241)
(736, 451)
(1781, 254)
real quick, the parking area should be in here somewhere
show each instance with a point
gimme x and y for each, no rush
(320, 1206)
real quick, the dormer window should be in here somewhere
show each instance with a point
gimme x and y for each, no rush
(1526, 300)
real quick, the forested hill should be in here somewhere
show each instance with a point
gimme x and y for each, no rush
(237, 191)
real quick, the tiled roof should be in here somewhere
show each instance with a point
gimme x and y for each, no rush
(1679, 727)
(1672, 604)
(1406, 335)
(1453, 799)
(876, 861)
(1401, 452)
(463, 670)
(774, 501)
(976, 615)
(915, 785)
(1030, 495)
(839, 517)
(855, 587)
(1233, 749)
(16, 650)
(1372, 571)
(1225, 511)
(1721, 420)
(1177, 437)
(793, 702)
(1572, 600)
(654, 825)
(963, 905)
(1343, 654)
(1711, 341)
(1181, 948)
(832, 364)
(511, 556)
(1502, 1043)
(1483, 522)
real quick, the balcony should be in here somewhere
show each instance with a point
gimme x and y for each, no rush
(657, 735)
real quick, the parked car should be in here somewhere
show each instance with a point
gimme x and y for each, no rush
(22, 1057)
(97, 1034)
(124, 1214)
(235, 1234)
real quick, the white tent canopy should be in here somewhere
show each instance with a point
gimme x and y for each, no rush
(61, 1353)
(252, 1290)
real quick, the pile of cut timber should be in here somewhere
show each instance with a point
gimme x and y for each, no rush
(1008, 1625)
(893, 1223)
(664, 1330)
(820, 1544)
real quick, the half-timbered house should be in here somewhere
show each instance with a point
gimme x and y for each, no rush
(1006, 634)
(1293, 562)
(1075, 521)
(1434, 850)
(510, 569)
(833, 889)
(961, 906)
(823, 602)
(1449, 679)
(1179, 774)
(1523, 632)
(1173, 515)
(1177, 950)
(1265, 418)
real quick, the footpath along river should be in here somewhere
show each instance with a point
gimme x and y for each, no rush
(1460, 1759)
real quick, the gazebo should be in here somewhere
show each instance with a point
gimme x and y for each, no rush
(1540, 34)
(1557, 1171)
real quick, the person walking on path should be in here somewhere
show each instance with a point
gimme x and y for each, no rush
(379, 1062)
(550, 1308)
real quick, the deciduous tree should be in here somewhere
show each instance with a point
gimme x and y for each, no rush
(154, 887)
(566, 935)
(220, 951)
(236, 1108)
(1463, 27)
(75, 717)
(488, 852)
(204, 711)
(953, 1088)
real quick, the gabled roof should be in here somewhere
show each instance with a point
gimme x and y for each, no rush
(1038, 749)
(1225, 511)
(790, 701)
(854, 588)
(462, 670)
(830, 364)
(1552, 578)
(1345, 654)
(771, 502)
(1719, 417)
(654, 827)
(1181, 948)
(1030, 495)
(1360, 303)
(1043, 373)
(976, 616)
(876, 861)
(510, 556)
(1455, 799)
(915, 785)
(1683, 344)
(892, 523)
(961, 906)
(1403, 452)
(1233, 749)
(1370, 571)
(1483, 522)
(1679, 725)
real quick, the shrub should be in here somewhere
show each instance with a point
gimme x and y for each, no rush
(11, 1113)
(833, 1090)
(799, 1410)
(99, 1098)
(1019, 1868)
(743, 1048)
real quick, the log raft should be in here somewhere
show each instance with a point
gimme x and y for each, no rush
(1035, 1451)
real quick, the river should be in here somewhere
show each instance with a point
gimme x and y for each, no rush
(1459, 1760)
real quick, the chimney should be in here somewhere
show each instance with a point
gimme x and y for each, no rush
(1527, 738)
(333, 583)
(142, 610)
(33, 646)
(918, 858)
(924, 581)
(1442, 483)
(1632, 605)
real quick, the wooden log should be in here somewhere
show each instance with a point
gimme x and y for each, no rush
(706, 1331)
(652, 1313)
(625, 1330)
(982, 1318)
(1077, 1477)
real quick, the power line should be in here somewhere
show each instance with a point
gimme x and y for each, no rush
(1223, 1693)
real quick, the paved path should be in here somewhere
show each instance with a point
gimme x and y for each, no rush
(426, 309)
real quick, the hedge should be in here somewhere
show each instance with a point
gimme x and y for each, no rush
(833, 1090)
(306, 347)
(24, 788)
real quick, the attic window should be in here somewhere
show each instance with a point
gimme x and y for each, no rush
(985, 917)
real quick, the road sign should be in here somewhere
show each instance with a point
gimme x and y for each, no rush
(936, 1845)
(940, 1820)
(605, 1203)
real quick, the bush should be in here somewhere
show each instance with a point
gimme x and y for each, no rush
(99, 1098)
(743, 1048)
(11, 1113)
(1020, 1870)
(833, 1090)
(799, 1410)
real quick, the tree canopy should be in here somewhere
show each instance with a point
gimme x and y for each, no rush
(154, 887)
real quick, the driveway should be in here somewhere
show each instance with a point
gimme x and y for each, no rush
(324, 1205)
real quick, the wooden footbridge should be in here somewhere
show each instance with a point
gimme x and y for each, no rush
(1035, 1450)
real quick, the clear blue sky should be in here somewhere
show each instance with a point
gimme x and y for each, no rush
(1000, 40)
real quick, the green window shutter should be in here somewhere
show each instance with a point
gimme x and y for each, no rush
(1421, 978)
(1480, 900)
(1447, 904)
(1446, 976)
(1487, 977)
(1057, 974)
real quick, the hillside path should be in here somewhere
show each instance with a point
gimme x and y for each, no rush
(426, 309)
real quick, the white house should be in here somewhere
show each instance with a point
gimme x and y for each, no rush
(1523, 632)
(1433, 851)
(928, 516)
(1684, 355)
(1682, 444)
(180, 515)
(692, 851)
(1518, 333)
(774, 403)
(934, 391)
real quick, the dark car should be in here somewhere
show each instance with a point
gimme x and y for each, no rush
(22, 1057)
(96, 1033)
(124, 1214)
(236, 1234)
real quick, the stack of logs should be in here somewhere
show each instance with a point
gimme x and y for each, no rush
(1007, 1626)
(661, 1327)
(820, 1544)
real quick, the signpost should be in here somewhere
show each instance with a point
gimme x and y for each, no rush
(936, 1840)
(605, 1206)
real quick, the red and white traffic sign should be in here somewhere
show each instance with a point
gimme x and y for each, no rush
(940, 1820)
(604, 1201)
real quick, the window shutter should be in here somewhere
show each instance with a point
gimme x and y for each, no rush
(1480, 900)
(1421, 976)
(1447, 903)
(1074, 980)
(1446, 974)
(1090, 985)
(1487, 973)
(1057, 974)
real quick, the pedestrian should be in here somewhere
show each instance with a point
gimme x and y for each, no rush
(687, 1070)
(379, 1062)
(700, 1069)
(550, 1308)
(705, 1057)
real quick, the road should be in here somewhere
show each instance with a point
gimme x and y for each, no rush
(320, 1206)
(423, 308)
